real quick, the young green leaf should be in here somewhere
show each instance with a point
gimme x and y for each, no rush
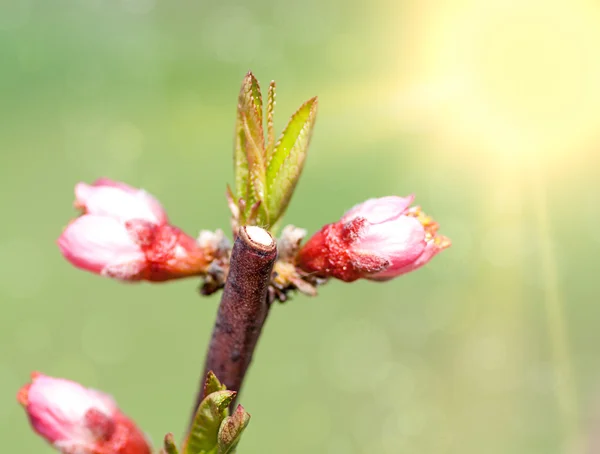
(254, 215)
(169, 446)
(270, 127)
(240, 160)
(212, 384)
(203, 435)
(256, 167)
(286, 163)
(231, 430)
(248, 124)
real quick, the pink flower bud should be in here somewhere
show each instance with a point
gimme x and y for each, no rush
(77, 420)
(378, 240)
(125, 234)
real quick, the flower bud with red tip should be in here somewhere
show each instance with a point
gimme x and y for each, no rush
(78, 420)
(378, 240)
(124, 233)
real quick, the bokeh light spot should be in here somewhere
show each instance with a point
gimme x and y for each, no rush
(139, 6)
(232, 35)
(313, 417)
(125, 143)
(23, 270)
(107, 339)
(33, 336)
(506, 245)
(14, 14)
(9, 384)
(76, 368)
(356, 356)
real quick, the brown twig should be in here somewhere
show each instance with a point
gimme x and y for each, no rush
(243, 309)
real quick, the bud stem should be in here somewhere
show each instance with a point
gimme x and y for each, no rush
(243, 310)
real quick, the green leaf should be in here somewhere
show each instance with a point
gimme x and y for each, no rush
(203, 434)
(169, 445)
(286, 163)
(231, 430)
(270, 126)
(255, 215)
(212, 384)
(256, 167)
(248, 124)
(240, 161)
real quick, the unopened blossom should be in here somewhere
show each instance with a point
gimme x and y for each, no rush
(78, 420)
(124, 233)
(378, 240)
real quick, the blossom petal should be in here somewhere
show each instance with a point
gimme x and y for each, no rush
(93, 242)
(119, 201)
(430, 251)
(379, 209)
(401, 241)
(103, 181)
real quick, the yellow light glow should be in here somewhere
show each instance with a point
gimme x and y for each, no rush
(515, 78)
(516, 83)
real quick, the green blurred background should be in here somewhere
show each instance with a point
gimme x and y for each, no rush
(489, 111)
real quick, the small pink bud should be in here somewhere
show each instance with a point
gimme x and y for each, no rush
(78, 420)
(124, 234)
(378, 240)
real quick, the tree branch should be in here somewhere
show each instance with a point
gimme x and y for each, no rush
(243, 309)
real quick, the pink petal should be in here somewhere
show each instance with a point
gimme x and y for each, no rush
(119, 201)
(401, 241)
(379, 209)
(431, 250)
(115, 184)
(94, 242)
